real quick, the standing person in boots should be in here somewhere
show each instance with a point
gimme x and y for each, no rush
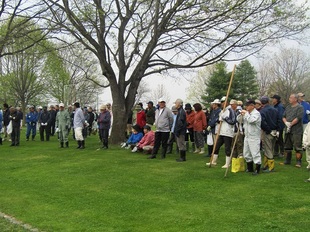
(213, 122)
(190, 118)
(251, 119)
(78, 125)
(15, 118)
(292, 119)
(226, 133)
(270, 126)
(163, 124)
(45, 126)
(180, 130)
(200, 124)
(62, 125)
(171, 139)
(279, 146)
(104, 121)
(31, 121)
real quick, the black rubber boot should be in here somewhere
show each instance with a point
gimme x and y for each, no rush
(0, 141)
(163, 153)
(249, 167)
(257, 169)
(79, 144)
(82, 144)
(27, 138)
(288, 158)
(61, 144)
(153, 156)
(67, 144)
(33, 137)
(182, 156)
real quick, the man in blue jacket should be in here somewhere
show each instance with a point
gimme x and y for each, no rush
(270, 126)
(279, 146)
(31, 121)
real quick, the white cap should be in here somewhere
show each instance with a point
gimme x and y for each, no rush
(61, 105)
(161, 100)
(216, 101)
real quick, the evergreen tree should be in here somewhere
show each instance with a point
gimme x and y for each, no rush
(217, 83)
(245, 85)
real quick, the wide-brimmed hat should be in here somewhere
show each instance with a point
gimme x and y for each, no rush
(161, 100)
(216, 101)
(300, 94)
(258, 101)
(233, 102)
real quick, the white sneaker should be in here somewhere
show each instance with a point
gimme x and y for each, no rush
(123, 145)
(213, 164)
(225, 166)
(127, 147)
(134, 149)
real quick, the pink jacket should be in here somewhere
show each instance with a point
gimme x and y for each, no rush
(147, 140)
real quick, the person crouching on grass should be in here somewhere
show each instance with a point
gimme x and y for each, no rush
(147, 142)
(134, 138)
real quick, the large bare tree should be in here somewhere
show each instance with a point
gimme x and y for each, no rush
(285, 72)
(137, 38)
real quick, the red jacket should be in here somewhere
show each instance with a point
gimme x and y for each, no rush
(200, 123)
(147, 140)
(190, 119)
(141, 119)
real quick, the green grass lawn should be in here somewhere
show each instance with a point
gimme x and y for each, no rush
(56, 189)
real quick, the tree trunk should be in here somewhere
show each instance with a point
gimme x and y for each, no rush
(119, 117)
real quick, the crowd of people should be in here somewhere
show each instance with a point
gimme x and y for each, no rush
(258, 130)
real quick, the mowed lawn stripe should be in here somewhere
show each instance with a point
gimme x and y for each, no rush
(57, 189)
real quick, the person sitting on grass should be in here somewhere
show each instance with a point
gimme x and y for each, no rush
(147, 142)
(134, 138)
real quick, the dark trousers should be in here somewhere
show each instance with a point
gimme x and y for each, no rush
(31, 129)
(45, 129)
(223, 140)
(15, 135)
(279, 146)
(161, 138)
(190, 135)
(104, 136)
(52, 128)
